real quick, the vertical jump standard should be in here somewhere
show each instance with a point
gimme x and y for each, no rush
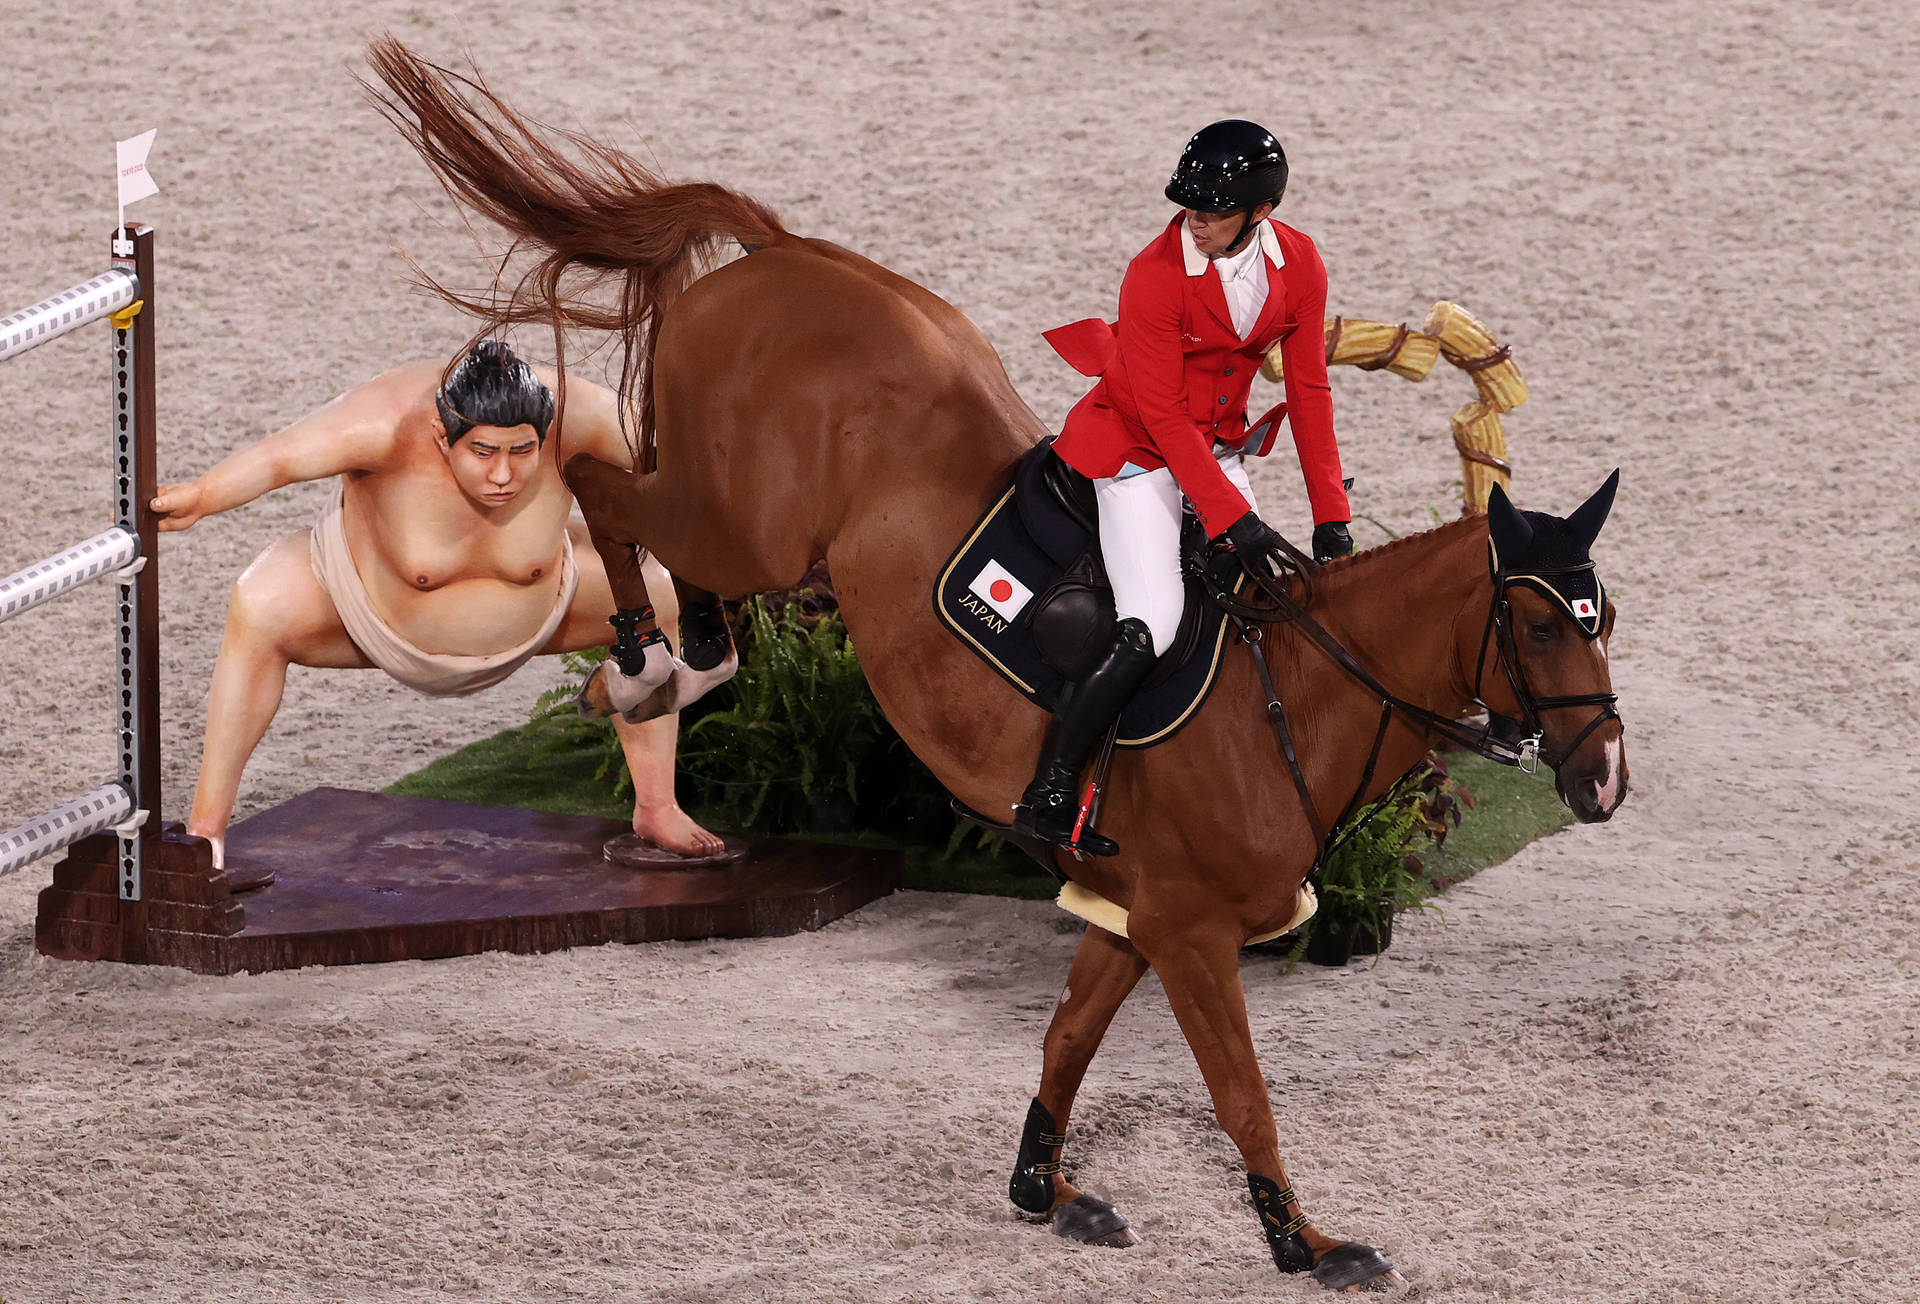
(126, 552)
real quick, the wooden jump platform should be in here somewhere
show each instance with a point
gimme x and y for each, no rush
(361, 877)
(364, 877)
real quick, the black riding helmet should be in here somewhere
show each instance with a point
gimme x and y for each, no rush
(1227, 165)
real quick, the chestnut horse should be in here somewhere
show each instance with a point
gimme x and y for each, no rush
(801, 403)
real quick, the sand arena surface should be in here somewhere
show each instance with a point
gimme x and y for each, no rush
(1673, 1058)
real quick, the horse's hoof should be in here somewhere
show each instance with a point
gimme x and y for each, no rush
(1354, 1266)
(632, 697)
(594, 701)
(687, 685)
(1093, 1221)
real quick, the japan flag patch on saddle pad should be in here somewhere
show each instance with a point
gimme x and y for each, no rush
(996, 586)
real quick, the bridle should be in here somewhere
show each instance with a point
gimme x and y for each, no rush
(1282, 607)
(1527, 725)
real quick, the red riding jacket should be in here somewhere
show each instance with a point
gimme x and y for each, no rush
(1174, 375)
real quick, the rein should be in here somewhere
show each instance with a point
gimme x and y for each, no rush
(1283, 608)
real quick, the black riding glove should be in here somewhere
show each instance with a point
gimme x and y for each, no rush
(1330, 540)
(1257, 544)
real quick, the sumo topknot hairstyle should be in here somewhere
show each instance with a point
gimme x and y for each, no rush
(491, 387)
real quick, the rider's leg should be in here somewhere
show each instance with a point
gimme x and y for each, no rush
(277, 615)
(1050, 807)
(1140, 544)
(1140, 547)
(1235, 466)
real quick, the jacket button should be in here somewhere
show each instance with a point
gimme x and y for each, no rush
(1229, 371)
(1223, 398)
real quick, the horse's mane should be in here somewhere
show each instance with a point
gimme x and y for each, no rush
(1334, 576)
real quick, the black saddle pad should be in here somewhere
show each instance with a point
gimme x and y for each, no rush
(999, 571)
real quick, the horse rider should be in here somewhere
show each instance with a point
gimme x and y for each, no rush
(1199, 309)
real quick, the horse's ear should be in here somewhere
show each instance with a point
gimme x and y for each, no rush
(1511, 531)
(1587, 519)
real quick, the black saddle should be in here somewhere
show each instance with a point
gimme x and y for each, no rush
(1027, 591)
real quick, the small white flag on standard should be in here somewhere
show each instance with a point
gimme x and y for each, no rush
(135, 181)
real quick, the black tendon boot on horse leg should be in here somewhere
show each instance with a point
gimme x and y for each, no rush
(644, 679)
(1085, 1218)
(1050, 807)
(705, 640)
(707, 656)
(1105, 969)
(1346, 1265)
(637, 664)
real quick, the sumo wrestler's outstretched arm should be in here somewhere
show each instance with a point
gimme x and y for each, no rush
(355, 432)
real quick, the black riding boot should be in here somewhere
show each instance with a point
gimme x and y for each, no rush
(1051, 805)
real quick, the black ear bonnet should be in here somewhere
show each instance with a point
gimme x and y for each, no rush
(1552, 556)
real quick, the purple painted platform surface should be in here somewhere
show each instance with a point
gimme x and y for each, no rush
(363, 877)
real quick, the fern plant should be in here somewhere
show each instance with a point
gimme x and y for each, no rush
(1375, 871)
(795, 741)
(559, 727)
(799, 732)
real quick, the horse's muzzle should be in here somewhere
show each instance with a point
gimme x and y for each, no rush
(1593, 792)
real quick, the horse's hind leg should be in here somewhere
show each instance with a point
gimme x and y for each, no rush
(633, 681)
(1200, 968)
(1105, 970)
(705, 640)
(610, 500)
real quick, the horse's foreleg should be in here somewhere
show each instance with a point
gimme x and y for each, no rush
(1105, 970)
(1200, 968)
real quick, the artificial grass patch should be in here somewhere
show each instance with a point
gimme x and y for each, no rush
(1510, 809)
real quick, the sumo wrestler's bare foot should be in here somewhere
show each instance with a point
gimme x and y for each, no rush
(240, 878)
(672, 828)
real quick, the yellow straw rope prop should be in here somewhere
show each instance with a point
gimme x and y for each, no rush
(1453, 333)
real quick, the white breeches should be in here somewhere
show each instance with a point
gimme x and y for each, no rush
(1140, 544)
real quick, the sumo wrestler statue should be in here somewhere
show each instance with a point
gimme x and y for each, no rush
(444, 555)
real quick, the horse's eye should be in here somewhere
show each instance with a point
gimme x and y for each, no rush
(1542, 630)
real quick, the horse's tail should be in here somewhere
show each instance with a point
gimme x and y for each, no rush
(601, 219)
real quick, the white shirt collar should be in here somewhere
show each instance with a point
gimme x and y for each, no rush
(1234, 266)
(1197, 261)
